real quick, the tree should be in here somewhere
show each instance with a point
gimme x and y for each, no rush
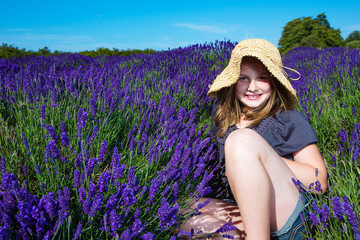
(355, 35)
(309, 32)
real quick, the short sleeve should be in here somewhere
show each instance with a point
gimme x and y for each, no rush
(289, 133)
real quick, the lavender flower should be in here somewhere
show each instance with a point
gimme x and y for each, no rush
(82, 194)
(37, 168)
(26, 144)
(65, 140)
(167, 213)
(78, 231)
(338, 208)
(64, 199)
(43, 112)
(76, 179)
(2, 165)
(96, 205)
(51, 132)
(25, 170)
(125, 235)
(115, 221)
(104, 181)
(93, 134)
(87, 205)
(103, 150)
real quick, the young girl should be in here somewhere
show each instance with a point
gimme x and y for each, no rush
(263, 145)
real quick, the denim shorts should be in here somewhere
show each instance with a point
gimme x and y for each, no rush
(297, 224)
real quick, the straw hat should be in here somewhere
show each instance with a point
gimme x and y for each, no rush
(263, 50)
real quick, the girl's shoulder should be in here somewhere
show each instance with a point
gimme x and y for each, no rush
(287, 132)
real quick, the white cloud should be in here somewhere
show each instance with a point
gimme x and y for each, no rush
(353, 27)
(204, 28)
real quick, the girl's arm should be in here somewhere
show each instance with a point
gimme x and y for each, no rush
(306, 160)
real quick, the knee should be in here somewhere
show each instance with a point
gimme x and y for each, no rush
(242, 139)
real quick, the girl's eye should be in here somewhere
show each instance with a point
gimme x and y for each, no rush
(263, 78)
(242, 79)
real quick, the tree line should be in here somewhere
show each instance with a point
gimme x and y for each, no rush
(300, 32)
(9, 50)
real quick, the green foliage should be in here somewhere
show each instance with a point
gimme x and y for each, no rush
(8, 51)
(353, 44)
(309, 32)
(354, 36)
(115, 51)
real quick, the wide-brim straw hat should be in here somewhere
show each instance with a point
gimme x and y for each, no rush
(268, 54)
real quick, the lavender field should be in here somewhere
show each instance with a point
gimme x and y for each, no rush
(113, 147)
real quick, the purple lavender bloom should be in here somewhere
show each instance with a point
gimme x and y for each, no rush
(65, 140)
(82, 119)
(131, 179)
(338, 208)
(96, 205)
(314, 218)
(42, 187)
(167, 214)
(324, 214)
(25, 170)
(63, 127)
(24, 217)
(51, 132)
(92, 189)
(154, 187)
(93, 134)
(76, 179)
(51, 204)
(78, 231)
(115, 221)
(26, 144)
(82, 194)
(90, 166)
(104, 181)
(227, 227)
(125, 235)
(87, 205)
(43, 112)
(79, 160)
(147, 236)
(37, 168)
(136, 228)
(2, 165)
(64, 199)
(128, 197)
(9, 182)
(350, 212)
(112, 202)
(103, 150)
(51, 151)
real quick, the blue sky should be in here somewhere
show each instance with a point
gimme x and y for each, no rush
(87, 25)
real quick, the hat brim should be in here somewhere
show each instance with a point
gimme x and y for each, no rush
(231, 73)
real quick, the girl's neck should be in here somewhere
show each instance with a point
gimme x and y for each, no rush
(243, 123)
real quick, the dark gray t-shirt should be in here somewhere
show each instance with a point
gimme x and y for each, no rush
(287, 133)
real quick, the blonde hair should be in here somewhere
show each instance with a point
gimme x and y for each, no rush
(230, 109)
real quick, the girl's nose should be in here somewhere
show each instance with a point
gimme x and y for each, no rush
(252, 86)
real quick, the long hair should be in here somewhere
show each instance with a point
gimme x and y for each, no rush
(230, 109)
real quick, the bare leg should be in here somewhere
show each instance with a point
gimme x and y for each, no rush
(261, 183)
(215, 214)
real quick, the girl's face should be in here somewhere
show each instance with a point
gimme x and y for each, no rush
(253, 88)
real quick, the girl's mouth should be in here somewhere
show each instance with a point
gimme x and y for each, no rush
(253, 97)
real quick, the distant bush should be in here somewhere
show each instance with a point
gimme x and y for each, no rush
(353, 44)
(115, 51)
